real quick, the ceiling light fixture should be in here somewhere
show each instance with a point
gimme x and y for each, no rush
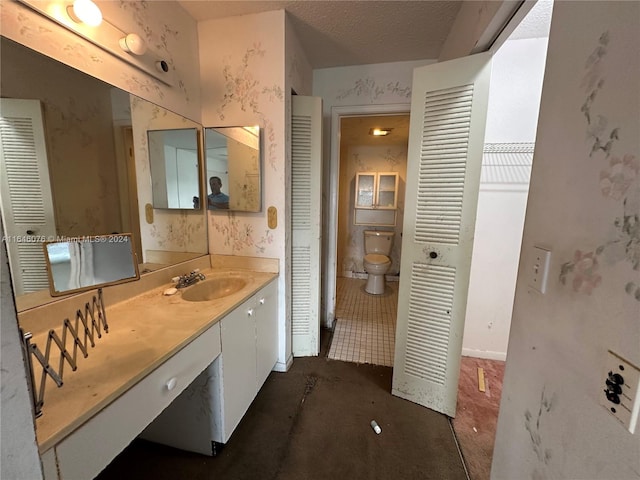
(380, 132)
(85, 11)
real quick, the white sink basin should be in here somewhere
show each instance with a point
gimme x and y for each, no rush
(213, 288)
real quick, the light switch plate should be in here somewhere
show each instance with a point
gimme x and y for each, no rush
(538, 270)
(626, 411)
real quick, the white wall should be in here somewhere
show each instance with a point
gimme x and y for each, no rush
(514, 98)
(551, 423)
(514, 94)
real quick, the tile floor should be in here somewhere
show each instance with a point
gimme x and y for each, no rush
(365, 329)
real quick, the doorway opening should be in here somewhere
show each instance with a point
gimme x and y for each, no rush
(372, 175)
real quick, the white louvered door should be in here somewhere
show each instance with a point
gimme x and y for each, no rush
(448, 112)
(26, 201)
(306, 199)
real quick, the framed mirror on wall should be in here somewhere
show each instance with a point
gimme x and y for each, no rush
(233, 168)
(91, 170)
(175, 168)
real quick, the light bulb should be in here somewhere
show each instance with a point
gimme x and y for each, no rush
(85, 11)
(133, 43)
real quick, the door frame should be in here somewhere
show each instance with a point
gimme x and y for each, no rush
(330, 262)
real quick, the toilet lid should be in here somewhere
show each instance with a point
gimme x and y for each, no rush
(376, 258)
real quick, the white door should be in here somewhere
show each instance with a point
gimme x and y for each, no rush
(26, 200)
(446, 136)
(306, 199)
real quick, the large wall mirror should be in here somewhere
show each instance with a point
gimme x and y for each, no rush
(92, 174)
(175, 178)
(233, 164)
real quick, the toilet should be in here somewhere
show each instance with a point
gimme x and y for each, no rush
(377, 247)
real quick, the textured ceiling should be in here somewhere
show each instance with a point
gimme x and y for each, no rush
(339, 33)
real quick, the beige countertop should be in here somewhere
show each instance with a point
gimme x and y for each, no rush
(144, 332)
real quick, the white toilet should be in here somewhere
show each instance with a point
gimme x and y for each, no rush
(377, 247)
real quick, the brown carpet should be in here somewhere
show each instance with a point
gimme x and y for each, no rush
(313, 422)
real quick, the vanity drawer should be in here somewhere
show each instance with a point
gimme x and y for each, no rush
(84, 453)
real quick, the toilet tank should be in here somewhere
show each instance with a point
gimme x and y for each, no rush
(378, 242)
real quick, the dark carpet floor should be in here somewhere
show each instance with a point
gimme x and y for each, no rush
(313, 422)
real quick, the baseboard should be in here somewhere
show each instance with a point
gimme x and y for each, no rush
(283, 367)
(488, 355)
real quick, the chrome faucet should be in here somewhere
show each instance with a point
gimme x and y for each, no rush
(188, 279)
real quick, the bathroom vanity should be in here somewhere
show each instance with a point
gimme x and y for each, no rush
(155, 348)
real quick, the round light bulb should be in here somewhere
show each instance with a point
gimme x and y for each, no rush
(87, 12)
(133, 43)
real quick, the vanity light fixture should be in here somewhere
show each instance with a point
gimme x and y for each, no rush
(133, 43)
(84, 18)
(85, 11)
(380, 132)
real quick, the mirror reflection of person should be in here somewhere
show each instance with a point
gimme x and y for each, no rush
(217, 200)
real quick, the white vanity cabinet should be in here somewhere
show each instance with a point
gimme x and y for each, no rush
(209, 410)
(249, 353)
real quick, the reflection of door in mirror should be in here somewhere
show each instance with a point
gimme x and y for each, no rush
(26, 201)
(173, 155)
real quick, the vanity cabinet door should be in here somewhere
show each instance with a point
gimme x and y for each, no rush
(49, 469)
(266, 332)
(238, 365)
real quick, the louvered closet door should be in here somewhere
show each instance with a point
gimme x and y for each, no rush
(306, 199)
(448, 112)
(26, 201)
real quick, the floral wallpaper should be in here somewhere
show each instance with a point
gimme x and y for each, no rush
(244, 88)
(243, 84)
(619, 182)
(582, 206)
(369, 89)
(171, 230)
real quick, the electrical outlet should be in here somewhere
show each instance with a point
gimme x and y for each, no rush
(621, 392)
(539, 269)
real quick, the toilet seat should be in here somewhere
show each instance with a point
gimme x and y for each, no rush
(376, 259)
